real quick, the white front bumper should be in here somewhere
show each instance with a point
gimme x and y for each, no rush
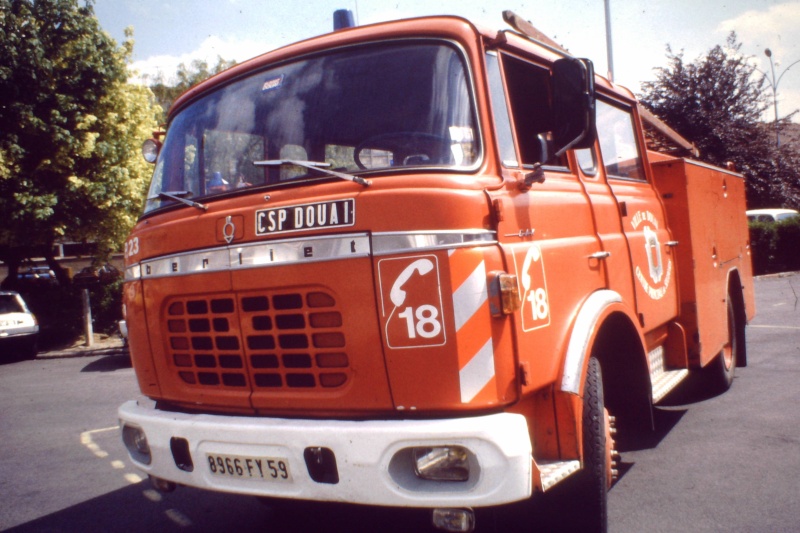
(371, 471)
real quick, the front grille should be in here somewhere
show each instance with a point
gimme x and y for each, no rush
(265, 341)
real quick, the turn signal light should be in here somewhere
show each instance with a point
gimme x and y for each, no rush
(509, 293)
(504, 295)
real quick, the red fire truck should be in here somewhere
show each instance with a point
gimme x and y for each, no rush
(417, 264)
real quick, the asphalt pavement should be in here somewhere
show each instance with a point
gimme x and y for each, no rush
(726, 463)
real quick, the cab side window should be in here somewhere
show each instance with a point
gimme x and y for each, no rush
(618, 145)
(528, 87)
(502, 121)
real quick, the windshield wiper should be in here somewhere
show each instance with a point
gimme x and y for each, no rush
(178, 197)
(313, 165)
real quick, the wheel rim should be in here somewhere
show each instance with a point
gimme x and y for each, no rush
(728, 351)
(611, 452)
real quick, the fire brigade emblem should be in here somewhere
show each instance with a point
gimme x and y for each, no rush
(657, 280)
(653, 250)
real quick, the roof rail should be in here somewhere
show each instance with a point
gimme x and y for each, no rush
(529, 30)
(657, 124)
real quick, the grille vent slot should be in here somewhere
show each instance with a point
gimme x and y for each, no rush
(265, 341)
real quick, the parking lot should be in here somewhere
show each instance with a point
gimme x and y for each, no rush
(726, 463)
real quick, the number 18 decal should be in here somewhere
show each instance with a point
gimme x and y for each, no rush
(535, 300)
(411, 301)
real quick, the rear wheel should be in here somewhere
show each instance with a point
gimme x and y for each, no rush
(722, 369)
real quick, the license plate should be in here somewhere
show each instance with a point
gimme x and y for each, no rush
(244, 467)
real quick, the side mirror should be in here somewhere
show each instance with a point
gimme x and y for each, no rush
(150, 149)
(573, 104)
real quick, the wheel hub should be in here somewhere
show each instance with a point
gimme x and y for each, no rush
(612, 456)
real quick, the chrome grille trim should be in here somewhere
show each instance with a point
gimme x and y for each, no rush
(306, 250)
(280, 252)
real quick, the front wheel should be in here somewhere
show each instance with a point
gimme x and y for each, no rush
(590, 486)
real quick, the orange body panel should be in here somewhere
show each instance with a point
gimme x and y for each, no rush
(706, 210)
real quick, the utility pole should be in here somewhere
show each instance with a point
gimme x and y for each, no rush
(609, 48)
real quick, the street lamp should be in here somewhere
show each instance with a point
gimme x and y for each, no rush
(774, 84)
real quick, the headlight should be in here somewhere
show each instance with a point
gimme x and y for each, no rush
(136, 442)
(442, 463)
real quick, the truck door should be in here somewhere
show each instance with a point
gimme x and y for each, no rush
(644, 223)
(547, 231)
(615, 256)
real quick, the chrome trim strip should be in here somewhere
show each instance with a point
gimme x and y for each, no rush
(392, 242)
(306, 250)
(295, 251)
(282, 252)
(133, 272)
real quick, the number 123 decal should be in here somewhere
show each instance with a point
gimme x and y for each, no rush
(412, 302)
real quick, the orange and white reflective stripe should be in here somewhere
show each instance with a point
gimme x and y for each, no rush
(473, 327)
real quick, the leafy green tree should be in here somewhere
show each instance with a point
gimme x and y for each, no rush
(167, 91)
(717, 102)
(70, 168)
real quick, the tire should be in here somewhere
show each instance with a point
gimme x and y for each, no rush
(722, 369)
(31, 349)
(591, 484)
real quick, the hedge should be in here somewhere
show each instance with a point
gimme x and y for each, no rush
(775, 246)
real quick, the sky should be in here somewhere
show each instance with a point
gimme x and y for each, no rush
(170, 32)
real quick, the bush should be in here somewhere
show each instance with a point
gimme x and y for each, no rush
(775, 246)
(59, 310)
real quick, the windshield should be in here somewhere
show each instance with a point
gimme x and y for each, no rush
(355, 110)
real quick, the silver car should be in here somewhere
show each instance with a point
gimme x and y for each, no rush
(19, 329)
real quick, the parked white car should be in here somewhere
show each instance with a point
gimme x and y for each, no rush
(771, 215)
(19, 329)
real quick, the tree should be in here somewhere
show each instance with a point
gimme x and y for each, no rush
(185, 78)
(70, 168)
(717, 102)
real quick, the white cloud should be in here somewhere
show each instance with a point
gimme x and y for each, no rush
(776, 28)
(213, 47)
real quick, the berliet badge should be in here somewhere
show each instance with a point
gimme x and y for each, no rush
(228, 230)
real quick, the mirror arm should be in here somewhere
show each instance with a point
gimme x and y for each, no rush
(537, 176)
(572, 143)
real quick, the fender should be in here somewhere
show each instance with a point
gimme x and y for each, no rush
(598, 305)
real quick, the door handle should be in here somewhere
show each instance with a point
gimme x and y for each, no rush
(600, 255)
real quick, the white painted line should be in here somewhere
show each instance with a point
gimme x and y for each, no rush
(776, 327)
(178, 517)
(133, 479)
(152, 495)
(86, 440)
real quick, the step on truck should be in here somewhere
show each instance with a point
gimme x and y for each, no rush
(422, 264)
